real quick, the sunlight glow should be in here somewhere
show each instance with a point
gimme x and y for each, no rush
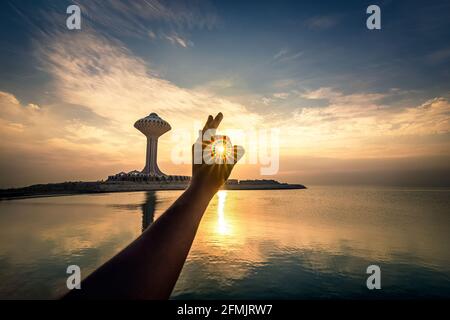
(220, 150)
(223, 226)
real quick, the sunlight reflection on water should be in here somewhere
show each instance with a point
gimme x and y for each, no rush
(223, 227)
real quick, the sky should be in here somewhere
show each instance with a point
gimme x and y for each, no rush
(351, 105)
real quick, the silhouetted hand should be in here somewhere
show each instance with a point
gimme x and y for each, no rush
(207, 173)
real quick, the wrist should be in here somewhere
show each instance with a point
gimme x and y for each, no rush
(202, 189)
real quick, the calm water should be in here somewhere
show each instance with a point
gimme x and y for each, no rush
(314, 243)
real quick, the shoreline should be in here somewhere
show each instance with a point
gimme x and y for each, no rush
(78, 188)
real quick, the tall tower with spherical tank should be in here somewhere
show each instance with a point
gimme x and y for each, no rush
(152, 127)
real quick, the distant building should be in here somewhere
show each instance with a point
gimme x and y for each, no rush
(257, 182)
(152, 127)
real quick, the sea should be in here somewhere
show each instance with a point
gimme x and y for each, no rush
(318, 243)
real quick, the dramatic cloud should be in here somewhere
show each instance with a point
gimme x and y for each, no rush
(133, 16)
(101, 88)
(107, 78)
(360, 125)
(167, 20)
(365, 114)
(42, 144)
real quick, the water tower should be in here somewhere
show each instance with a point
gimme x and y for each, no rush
(152, 127)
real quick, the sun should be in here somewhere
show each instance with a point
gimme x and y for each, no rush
(220, 150)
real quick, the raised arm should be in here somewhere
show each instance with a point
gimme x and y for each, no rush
(150, 266)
